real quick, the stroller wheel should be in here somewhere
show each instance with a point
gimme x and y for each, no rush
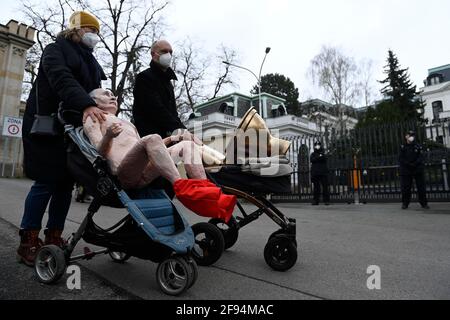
(174, 276)
(229, 231)
(119, 257)
(50, 264)
(280, 253)
(281, 232)
(194, 270)
(209, 244)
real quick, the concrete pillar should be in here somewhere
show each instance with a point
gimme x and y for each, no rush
(264, 108)
(15, 40)
(236, 105)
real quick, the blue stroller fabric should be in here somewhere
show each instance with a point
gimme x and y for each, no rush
(159, 213)
(158, 219)
(153, 211)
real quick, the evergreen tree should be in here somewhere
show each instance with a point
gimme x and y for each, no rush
(401, 101)
(280, 86)
(399, 91)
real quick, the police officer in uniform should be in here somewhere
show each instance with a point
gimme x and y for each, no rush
(412, 166)
(319, 174)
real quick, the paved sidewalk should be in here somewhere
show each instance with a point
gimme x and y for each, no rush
(18, 281)
(336, 246)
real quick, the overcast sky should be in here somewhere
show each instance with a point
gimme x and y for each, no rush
(417, 31)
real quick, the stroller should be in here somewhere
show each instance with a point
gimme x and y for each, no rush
(245, 181)
(154, 229)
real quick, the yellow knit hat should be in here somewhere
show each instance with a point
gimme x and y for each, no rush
(81, 19)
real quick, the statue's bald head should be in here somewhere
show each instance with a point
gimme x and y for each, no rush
(105, 100)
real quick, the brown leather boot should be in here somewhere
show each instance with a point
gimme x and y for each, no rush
(54, 237)
(29, 246)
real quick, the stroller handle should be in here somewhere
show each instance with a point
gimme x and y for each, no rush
(62, 113)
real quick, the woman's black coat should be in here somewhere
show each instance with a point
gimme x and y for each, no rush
(67, 73)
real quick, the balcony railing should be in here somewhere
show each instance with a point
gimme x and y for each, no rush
(291, 121)
(231, 121)
(218, 118)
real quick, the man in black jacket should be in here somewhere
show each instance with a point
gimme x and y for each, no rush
(154, 109)
(412, 166)
(319, 174)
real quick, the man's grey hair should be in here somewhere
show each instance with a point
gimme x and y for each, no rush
(94, 96)
(92, 93)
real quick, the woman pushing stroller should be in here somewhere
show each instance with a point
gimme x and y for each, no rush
(68, 70)
(139, 161)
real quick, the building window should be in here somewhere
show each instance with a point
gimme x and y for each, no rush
(278, 111)
(437, 110)
(227, 108)
(435, 79)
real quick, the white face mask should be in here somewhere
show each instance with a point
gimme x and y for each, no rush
(90, 39)
(317, 147)
(411, 139)
(165, 60)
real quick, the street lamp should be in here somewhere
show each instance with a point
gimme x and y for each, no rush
(258, 78)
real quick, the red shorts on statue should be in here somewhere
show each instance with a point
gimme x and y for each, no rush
(205, 198)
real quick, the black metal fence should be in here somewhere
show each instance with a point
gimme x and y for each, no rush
(363, 163)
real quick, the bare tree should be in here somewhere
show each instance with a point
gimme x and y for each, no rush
(201, 76)
(128, 28)
(190, 67)
(337, 75)
(31, 70)
(366, 77)
(225, 74)
(128, 36)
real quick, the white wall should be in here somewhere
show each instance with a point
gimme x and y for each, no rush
(438, 96)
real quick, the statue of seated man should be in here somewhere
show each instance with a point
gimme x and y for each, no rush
(138, 161)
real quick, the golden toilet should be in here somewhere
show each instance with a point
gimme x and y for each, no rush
(252, 120)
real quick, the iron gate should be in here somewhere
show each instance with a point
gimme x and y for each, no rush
(363, 163)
